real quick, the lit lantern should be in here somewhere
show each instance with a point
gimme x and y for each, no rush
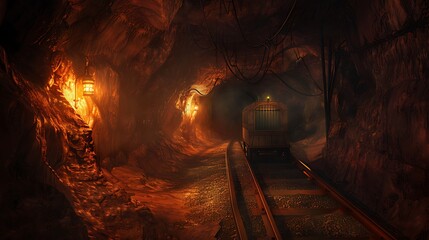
(195, 108)
(88, 81)
(88, 86)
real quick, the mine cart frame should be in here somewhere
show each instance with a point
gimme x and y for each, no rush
(264, 129)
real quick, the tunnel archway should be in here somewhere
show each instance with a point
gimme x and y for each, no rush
(225, 105)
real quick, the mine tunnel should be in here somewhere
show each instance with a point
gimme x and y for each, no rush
(214, 119)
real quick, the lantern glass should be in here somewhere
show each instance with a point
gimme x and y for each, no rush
(88, 86)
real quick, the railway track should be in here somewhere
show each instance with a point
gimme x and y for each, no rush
(274, 199)
(252, 213)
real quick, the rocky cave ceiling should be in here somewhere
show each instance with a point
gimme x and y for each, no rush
(155, 51)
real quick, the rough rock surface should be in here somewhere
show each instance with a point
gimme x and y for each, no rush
(56, 148)
(378, 147)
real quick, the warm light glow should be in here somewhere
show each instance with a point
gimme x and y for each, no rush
(88, 86)
(189, 106)
(268, 98)
(188, 101)
(69, 88)
(75, 96)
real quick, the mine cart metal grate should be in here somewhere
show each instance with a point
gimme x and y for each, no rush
(267, 118)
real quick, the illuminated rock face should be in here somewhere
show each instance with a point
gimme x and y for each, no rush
(51, 145)
(127, 43)
(45, 141)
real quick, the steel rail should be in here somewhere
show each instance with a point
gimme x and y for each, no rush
(266, 208)
(357, 213)
(234, 203)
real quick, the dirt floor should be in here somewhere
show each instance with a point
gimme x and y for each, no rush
(195, 205)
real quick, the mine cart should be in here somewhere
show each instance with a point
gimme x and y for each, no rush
(264, 132)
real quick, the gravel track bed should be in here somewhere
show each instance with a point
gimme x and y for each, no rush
(328, 226)
(334, 225)
(211, 203)
(286, 185)
(302, 201)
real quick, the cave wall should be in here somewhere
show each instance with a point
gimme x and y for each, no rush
(46, 145)
(127, 42)
(378, 148)
(143, 60)
(44, 142)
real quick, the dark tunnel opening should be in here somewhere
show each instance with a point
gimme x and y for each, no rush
(226, 104)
